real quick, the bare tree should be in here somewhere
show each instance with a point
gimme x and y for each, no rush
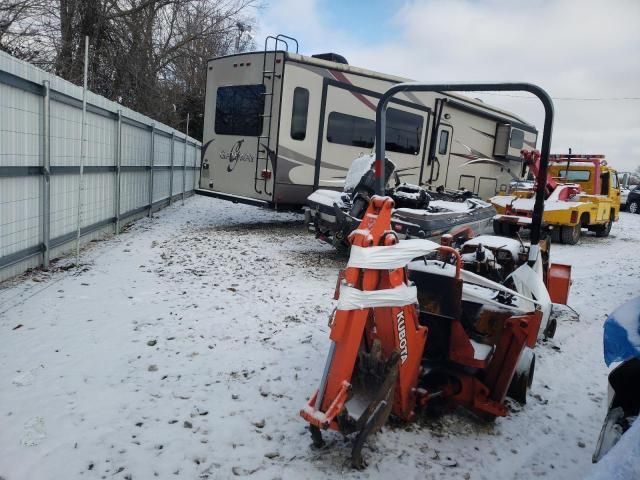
(150, 55)
(20, 34)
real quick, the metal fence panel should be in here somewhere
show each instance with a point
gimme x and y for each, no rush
(20, 129)
(20, 214)
(135, 146)
(97, 198)
(66, 126)
(161, 184)
(64, 204)
(133, 166)
(134, 190)
(101, 140)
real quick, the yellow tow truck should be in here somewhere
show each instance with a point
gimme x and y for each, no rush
(582, 191)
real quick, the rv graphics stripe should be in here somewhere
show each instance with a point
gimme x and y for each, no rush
(483, 133)
(341, 77)
(473, 153)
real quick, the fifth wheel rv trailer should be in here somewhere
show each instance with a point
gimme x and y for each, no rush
(279, 125)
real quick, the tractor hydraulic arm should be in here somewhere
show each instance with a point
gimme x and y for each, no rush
(532, 159)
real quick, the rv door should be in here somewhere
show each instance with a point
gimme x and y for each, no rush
(440, 164)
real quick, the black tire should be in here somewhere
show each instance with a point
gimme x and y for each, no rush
(555, 235)
(511, 230)
(550, 329)
(570, 235)
(634, 207)
(497, 227)
(603, 230)
(523, 376)
(316, 436)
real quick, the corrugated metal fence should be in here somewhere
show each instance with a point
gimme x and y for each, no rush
(133, 166)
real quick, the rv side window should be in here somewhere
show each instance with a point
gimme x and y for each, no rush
(443, 142)
(404, 131)
(517, 138)
(299, 113)
(349, 130)
(239, 109)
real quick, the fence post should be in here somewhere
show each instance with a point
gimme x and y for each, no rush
(184, 169)
(118, 153)
(151, 162)
(171, 175)
(196, 170)
(46, 175)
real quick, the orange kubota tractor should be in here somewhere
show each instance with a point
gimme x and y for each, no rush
(412, 331)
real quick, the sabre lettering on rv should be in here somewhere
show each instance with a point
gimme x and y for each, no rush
(402, 335)
(234, 156)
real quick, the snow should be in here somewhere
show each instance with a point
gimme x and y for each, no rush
(237, 299)
(622, 462)
(358, 168)
(512, 245)
(458, 207)
(480, 350)
(326, 197)
(433, 266)
(526, 204)
(521, 220)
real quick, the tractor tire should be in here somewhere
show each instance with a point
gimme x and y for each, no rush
(634, 207)
(523, 376)
(570, 235)
(550, 329)
(603, 230)
(555, 235)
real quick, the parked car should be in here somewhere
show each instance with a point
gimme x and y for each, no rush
(624, 195)
(633, 200)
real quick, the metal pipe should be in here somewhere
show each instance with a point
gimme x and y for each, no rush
(151, 162)
(325, 376)
(83, 146)
(184, 160)
(543, 96)
(118, 153)
(173, 134)
(46, 174)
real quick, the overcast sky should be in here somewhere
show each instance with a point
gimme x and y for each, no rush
(582, 49)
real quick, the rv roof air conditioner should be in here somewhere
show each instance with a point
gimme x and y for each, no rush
(331, 57)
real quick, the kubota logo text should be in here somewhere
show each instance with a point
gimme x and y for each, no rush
(402, 335)
(234, 156)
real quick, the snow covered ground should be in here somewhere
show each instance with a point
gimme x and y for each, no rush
(185, 348)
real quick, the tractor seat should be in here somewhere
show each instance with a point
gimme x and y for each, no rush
(439, 292)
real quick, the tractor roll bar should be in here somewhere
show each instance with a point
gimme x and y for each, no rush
(381, 114)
